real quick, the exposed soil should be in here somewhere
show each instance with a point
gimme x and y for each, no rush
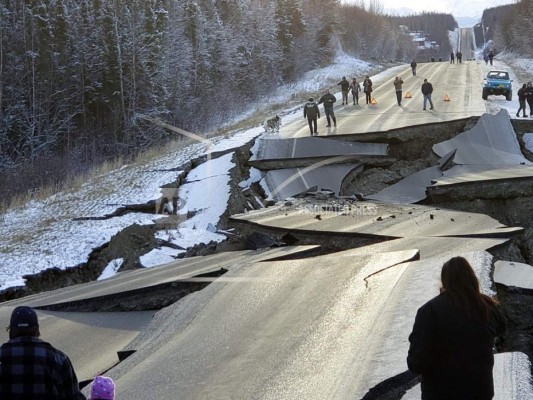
(512, 206)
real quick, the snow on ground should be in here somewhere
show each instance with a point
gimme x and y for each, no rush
(159, 256)
(496, 103)
(43, 233)
(111, 269)
(453, 37)
(313, 82)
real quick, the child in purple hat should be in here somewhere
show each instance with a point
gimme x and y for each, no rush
(103, 388)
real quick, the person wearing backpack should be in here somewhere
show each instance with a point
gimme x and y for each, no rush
(312, 113)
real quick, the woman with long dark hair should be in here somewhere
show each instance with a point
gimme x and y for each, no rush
(453, 338)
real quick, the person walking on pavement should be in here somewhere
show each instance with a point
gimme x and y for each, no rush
(398, 82)
(328, 99)
(312, 113)
(355, 87)
(31, 369)
(529, 97)
(345, 88)
(453, 336)
(413, 67)
(427, 89)
(522, 93)
(452, 59)
(367, 88)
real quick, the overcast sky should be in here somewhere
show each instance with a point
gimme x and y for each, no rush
(459, 8)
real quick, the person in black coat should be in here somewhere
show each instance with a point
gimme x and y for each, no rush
(529, 97)
(427, 90)
(367, 88)
(522, 93)
(413, 67)
(312, 113)
(452, 341)
(328, 99)
(345, 88)
(491, 57)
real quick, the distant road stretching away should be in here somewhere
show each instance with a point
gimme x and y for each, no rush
(462, 83)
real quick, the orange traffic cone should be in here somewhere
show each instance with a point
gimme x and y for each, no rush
(446, 98)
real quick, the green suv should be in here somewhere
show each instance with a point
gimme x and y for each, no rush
(498, 83)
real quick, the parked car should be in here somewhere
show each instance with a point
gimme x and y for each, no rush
(498, 83)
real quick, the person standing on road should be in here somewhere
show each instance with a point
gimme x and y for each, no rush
(529, 97)
(427, 89)
(355, 87)
(398, 82)
(453, 337)
(345, 88)
(413, 67)
(491, 57)
(367, 88)
(328, 99)
(312, 113)
(31, 369)
(452, 59)
(522, 92)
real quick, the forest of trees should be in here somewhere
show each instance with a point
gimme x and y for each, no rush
(512, 27)
(80, 80)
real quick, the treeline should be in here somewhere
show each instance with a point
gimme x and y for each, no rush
(82, 81)
(370, 34)
(511, 26)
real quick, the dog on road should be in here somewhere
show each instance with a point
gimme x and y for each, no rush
(272, 124)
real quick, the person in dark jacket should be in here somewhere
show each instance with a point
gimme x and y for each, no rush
(427, 89)
(522, 93)
(452, 58)
(328, 99)
(367, 88)
(31, 369)
(413, 67)
(355, 87)
(312, 113)
(491, 57)
(529, 97)
(398, 82)
(345, 88)
(453, 336)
